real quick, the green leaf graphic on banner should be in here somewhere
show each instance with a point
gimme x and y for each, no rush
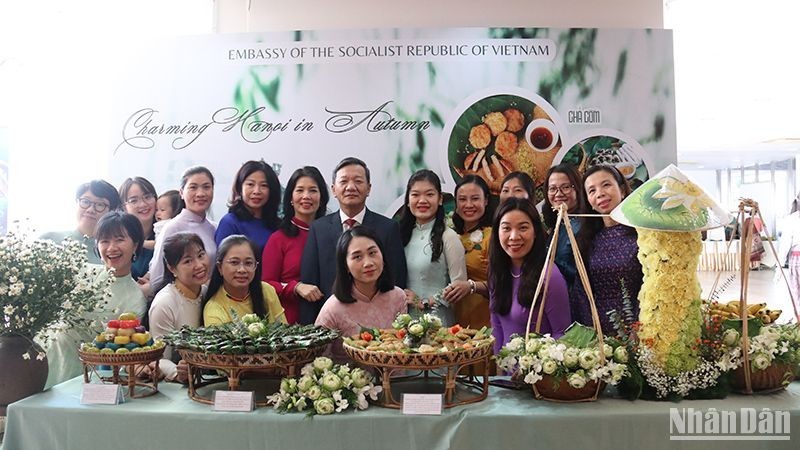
(270, 92)
(436, 119)
(621, 63)
(431, 73)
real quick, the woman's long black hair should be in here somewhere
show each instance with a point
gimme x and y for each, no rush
(500, 263)
(486, 220)
(407, 219)
(216, 283)
(343, 284)
(288, 227)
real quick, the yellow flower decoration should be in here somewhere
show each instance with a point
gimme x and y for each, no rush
(669, 298)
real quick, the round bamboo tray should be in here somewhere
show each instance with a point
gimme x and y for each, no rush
(388, 364)
(127, 361)
(280, 364)
(772, 379)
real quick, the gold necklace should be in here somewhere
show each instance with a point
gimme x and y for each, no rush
(189, 295)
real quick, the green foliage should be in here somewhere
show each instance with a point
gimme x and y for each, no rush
(579, 335)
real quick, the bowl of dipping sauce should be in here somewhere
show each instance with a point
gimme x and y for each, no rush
(541, 135)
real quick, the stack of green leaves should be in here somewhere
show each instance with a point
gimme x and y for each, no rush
(250, 337)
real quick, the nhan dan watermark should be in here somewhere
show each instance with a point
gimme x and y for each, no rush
(745, 424)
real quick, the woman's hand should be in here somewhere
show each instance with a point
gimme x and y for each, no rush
(456, 290)
(308, 292)
(413, 300)
(147, 371)
(183, 372)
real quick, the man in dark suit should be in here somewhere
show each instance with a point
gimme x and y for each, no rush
(351, 186)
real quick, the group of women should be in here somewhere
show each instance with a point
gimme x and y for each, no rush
(481, 272)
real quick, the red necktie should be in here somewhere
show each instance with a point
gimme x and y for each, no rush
(350, 223)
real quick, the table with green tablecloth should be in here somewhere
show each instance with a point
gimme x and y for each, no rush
(507, 419)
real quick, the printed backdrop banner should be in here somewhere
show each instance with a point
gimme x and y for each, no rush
(486, 101)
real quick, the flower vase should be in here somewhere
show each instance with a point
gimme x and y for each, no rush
(772, 379)
(20, 376)
(552, 389)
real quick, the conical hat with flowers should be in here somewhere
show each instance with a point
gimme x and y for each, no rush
(670, 201)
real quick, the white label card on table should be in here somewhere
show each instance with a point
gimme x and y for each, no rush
(422, 404)
(239, 401)
(101, 394)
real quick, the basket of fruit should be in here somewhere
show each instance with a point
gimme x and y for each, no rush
(423, 345)
(122, 346)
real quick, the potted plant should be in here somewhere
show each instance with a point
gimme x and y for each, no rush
(45, 287)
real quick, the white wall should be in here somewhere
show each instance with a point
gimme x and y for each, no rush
(55, 57)
(234, 16)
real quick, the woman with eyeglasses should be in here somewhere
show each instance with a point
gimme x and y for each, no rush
(197, 192)
(236, 288)
(93, 200)
(609, 250)
(138, 196)
(253, 205)
(563, 187)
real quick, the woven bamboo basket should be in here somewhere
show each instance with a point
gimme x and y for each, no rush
(389, 365)
(553, 389)
(121, 358)
(772, 379)
(128, 361)
(270, 365)
(420, 361)
(777, 376)
(548, 388)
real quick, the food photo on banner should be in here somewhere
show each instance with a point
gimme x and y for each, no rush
(483, 101)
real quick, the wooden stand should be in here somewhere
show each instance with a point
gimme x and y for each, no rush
(441, 367)
(777, 378)
(127, 362)
(234, 367)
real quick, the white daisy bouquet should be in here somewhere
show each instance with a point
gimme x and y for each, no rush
(325, 388)
(47, 287)
(574, 358)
